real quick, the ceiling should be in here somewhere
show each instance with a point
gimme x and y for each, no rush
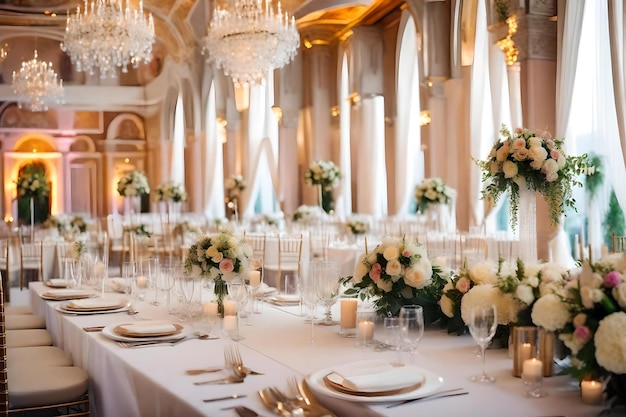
(181, 24)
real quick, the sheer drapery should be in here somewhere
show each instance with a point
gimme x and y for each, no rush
(177, 171)
(343, 208)
(408, 135)
(371, 168)
(559, 246)
(213, 206)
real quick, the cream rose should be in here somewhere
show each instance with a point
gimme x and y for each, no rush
(619, 293)
(391, 253)
(415, 276)
(510, 169)
(394, 267)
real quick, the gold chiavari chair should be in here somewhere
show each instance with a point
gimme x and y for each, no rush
(31, 258)
(257, 242)
(618, 243)
(289, 257)
(8, 263)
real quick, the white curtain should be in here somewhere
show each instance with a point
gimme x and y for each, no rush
(408, 135)
(177, 171)
(371, 169)
(343, 208)
(213, 163)
(559, 246)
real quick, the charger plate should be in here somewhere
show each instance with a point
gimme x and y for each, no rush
(333, 381)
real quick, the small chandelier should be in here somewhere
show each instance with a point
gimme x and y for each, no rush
(248, 40)
(37, 85)
(107, 36)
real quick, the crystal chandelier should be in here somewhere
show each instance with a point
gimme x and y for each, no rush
(248, 40)
(107, 36)
(37, 85)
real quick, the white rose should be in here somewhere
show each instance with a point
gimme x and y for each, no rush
(360, 270)
(503, 153)
(394, 267)
(533, 282)
(525, 294)
(391, 253)
(510, 169)
(483, 273)
(415, 277)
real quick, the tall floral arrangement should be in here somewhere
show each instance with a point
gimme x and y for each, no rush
(432, 191)
(326, 175)
(590, 316)
(234, 185)
(220, 257)
(133, 184)
(78, 224)
(170, 192)
(392, 275)
(32, 183)
(524, 160)
(306, 214)
(358, 225)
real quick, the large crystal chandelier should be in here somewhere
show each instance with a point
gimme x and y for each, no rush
(107, 36)
(248, 40)
(37, 85)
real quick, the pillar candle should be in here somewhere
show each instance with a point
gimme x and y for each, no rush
(591, 392)
(525, 352)
(142, 281)
(255, 278)
(230, 323)
(348, 313)
(365, 330)
(210, 309)
(230, 308)
(532, 369)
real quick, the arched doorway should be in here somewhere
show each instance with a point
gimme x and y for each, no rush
(34, 204)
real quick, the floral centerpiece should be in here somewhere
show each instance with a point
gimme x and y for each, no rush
(590, 316)
(52, 222)
(76, 251)
(133, 184)
(358, 225)
(306, 214)
(234, 185)
(78, 223)
(220, 257)
(327, 175)
(32, 184)
(432, 191)
(170, 192)
(523, 160)
(392, 275)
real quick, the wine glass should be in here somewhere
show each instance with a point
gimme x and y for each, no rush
(149, 270)
(187, 285)
(326, 276)
(482, 326)
(411, 323)
(129, 273)
(255, 282)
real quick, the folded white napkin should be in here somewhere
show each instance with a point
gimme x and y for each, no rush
(287, 298)
(265, 289)
(66, 292)
(149, 328)
(93, 303)
(372, 376)
(58, 282)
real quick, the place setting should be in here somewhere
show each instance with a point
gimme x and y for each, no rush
(64, 294)
(87, 306)
(56, 283)
(147, 333)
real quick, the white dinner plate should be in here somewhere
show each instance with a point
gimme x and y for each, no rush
(432, 382)
(109, 332)
(60, 308)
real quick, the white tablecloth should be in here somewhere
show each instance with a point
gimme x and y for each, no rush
(151, 381)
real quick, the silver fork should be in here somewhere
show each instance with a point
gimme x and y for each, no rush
(233, 361)
(286, 405)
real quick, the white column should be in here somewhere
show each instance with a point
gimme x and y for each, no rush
(515, 94)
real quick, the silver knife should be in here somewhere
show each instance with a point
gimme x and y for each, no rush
(230, 397)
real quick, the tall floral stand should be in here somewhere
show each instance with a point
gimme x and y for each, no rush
(527, 226)
(325, 198)
(437, 217)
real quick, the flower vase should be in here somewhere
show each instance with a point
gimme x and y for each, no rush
(220, 289)
(527, 226)
(436, 217)
(325, 198)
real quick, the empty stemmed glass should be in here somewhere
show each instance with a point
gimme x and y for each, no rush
(326, 276)
(149, 270)
(238, 292)
(411, 323)
(482, 326)
(187, 285)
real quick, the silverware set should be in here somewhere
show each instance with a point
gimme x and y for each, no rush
(299, 402)
(234, 365)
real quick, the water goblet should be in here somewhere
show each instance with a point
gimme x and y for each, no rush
(326, 275)
(149, 270)
(187, 284)
(411, 327)
(238, 292)
(482, 326)
(129, 273)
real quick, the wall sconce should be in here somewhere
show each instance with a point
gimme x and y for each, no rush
(354, 99)
(307, 43)
(278, 113)
(242, 97)
(334, 111)
(425, 118)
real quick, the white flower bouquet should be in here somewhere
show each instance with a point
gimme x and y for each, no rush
(133, 184)
(392, 274)
(525, 160)
(432, 191)
(358, 225)
(219, 256)
(234, 185)
(78, 224)
(324, 173)
(170, 192)
(32, 184)
(306, 214)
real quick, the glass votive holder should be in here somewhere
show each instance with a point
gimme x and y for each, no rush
(365, 323)
(391, 338)
(532, 375)
(524, 345)
(347, 320)
(230, 327)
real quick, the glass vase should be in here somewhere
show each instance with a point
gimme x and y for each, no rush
(527, 226)
(325, 198)
(220, 289)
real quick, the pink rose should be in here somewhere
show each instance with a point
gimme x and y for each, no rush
(518, 130)
(406, 253)
(582, 332)
(612, 279)
(555, 154)
(463, 285)
(226, 265)
(550, 143)
(376, 271)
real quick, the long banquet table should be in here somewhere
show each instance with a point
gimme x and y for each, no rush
(151, 381)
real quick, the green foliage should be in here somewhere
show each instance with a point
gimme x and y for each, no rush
(594, 175)
(614, 220)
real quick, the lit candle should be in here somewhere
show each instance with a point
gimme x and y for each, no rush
(142, 281)
(365, 331)
(230, 323)
(591, 392)
(210, 309)
(230, 308)
(255, 278)
(532, 369)
(525, 352)
(348, 313)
